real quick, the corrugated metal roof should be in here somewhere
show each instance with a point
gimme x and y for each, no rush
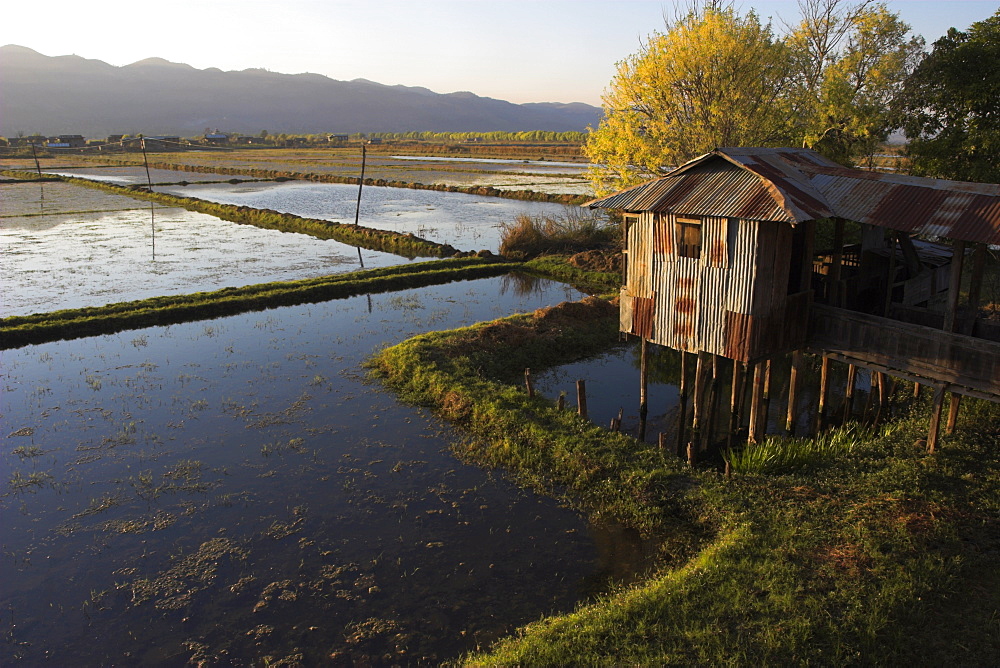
(794, 185)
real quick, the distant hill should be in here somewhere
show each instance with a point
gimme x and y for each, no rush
(74, 95)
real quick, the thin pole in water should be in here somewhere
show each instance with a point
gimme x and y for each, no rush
(361, 184)
(149, 182)
(38, 167)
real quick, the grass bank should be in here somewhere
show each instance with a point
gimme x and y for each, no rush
(17, 331)
(318, 177)
(406, 245)
(875, 554)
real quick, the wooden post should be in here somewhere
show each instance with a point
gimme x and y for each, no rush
(691, 457)
(793, 388)
(755, 403)
(891, 279)
(824, 391)
(528, 384)
(698, 390)
(884, 392)
(852, 378)
(870, 401)
(953, 413)
(357, 209)
(954, 284)
(682, 404)
(616, 422)
(735, 399)
(643, 386)
(975, 286)
(581, 398)
(662, 442)
(765, 408)
(835, 298)
(561, 401)
(932, 435)
(916, 390)
(710, 403)
(38, 168)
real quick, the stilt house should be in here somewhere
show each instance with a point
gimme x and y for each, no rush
(722, 257)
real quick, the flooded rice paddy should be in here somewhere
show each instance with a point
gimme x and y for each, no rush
(234, 491)
(67, 246)
(136, 175)
(467, 222)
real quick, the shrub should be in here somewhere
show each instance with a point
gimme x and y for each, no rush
(573, 232)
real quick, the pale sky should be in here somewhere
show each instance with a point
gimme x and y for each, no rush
(516, 50)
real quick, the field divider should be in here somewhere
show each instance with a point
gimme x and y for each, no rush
(18, 331)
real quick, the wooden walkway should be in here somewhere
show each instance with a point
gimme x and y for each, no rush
(953, 362)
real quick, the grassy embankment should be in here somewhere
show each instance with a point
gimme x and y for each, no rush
(406, 245)
(16, 331)
(872, 553)
(177, 164)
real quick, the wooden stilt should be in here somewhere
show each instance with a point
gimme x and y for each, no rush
(884, 390)
(824, 392)
(952, 413)
(699, 382)
(756, 401)
(710, 403)
(528, 384)
(662, 443)
(766, 398)
(852, 377)
(793, 388)
(581, 398)
(561, 401)
(916, 390)
(954, 284)
(682, 405)
(735, 396)
(643, 386)
(867, 414)
(932, 435)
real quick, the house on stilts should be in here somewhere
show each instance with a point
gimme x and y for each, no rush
(722, 258)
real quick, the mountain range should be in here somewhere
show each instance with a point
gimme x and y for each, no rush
(74, 95)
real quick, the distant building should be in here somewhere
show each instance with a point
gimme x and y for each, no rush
(337, 139)
(161, 144)
(249, 140)
(66, 141)
(216, 138)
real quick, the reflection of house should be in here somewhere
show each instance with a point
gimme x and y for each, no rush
(720, 260)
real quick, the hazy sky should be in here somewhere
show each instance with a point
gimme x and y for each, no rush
(516, 50)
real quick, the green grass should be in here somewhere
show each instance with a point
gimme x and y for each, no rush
(862, 549)
(16, 331)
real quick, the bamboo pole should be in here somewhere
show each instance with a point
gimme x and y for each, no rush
(357, 209)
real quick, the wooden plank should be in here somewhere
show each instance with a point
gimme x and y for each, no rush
(954, 284)
(793, 386)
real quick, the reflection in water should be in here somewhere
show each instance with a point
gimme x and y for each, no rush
(225, 490)
(520, 284)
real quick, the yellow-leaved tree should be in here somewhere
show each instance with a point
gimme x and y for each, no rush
(713, 78)
(716, 77)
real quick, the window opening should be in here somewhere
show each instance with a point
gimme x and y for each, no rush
(688, 238)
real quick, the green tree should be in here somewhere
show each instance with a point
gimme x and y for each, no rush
(952, 103)
(848, 96)
(713, 78)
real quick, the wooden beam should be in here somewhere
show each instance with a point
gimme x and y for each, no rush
(852, 377)
(910, 257)
(824, 392)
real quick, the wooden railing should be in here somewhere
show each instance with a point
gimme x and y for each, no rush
(918, 351)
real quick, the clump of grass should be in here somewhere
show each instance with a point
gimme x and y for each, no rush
(781, 454)
(531, 236)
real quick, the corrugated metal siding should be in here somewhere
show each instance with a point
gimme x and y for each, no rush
(640, 253)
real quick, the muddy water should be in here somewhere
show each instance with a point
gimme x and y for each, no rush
(136, 175)
(234, 489)
(68, 246)
(467, 222)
